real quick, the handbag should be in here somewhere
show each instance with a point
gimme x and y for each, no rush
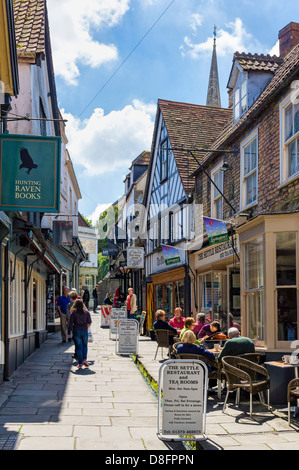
(90, 337)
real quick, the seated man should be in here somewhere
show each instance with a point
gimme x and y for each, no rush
(208, 330)
(236, 344)
(161, 324)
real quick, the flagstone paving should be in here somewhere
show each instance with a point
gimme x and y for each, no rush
(49, 405)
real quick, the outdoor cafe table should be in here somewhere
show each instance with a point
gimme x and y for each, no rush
(281, 374)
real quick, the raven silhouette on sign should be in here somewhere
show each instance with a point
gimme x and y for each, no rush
(27, 161)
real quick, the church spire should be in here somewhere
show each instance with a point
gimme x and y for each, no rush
(213, 97)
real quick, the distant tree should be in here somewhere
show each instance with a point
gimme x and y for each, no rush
(88, 221)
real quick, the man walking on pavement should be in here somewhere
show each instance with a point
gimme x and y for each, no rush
(95, 299)
(86, 296)
(62, 302)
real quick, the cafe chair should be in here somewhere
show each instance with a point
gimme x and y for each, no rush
(243, 374)
(293, 394)
(214, 369)
(162, 337)
(253, 357)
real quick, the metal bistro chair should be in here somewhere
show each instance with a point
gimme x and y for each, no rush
(162, 337)
(242, 374)
(215, 371)
(293, 394)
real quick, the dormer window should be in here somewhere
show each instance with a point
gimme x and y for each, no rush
(240, 100)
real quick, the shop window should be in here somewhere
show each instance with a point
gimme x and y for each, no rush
(213, 296)
(290, 137)
(179, 294)
(286, 286)
(168, 296)
(159, 297)
(168, 306)
(254, 287)
(249, 171)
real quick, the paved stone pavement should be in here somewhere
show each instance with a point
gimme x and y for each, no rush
(49, 405)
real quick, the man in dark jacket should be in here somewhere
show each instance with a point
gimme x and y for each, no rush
(161, 324)
(86, 296)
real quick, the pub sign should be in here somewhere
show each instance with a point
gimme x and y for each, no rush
(30, 173)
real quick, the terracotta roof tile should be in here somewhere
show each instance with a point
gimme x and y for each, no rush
(192, 126)
(258, 61)
(29, 26)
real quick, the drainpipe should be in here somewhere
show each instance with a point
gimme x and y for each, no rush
(6, 309)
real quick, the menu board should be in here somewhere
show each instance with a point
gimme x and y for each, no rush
(116, 315)
(184, 398)
(128, 332)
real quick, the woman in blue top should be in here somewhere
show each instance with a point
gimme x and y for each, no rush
(187, 346)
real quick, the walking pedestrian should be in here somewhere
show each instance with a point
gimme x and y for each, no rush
(61, 305)
(131, 303)
(73, 298)
(86, 296)
(95, 299)
(80, 321)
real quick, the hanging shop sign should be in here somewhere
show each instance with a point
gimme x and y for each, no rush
(216, 231)
(135, 258)
(63, 232)
(30, 173)
(89, 245)
(171, 255)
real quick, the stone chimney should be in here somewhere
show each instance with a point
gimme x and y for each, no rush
(288, 38)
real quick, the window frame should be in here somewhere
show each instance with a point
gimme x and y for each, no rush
(245, 178)
(240, 99)
(215, 199)
(285, 175)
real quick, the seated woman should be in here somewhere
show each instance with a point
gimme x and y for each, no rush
(200, 322)
(178, 320)
(188, 346)
(161, 324)
(189, 326)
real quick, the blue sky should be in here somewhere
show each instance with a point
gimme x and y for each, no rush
(114, 59)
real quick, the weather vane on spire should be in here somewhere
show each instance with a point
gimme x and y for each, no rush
(215, 27)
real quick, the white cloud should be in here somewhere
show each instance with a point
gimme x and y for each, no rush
(275, 50)
(195, 21)
(71, 24)
(233, 38)
(97, 212)
(105, 143)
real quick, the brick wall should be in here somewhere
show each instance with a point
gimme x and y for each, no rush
(271, 198)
